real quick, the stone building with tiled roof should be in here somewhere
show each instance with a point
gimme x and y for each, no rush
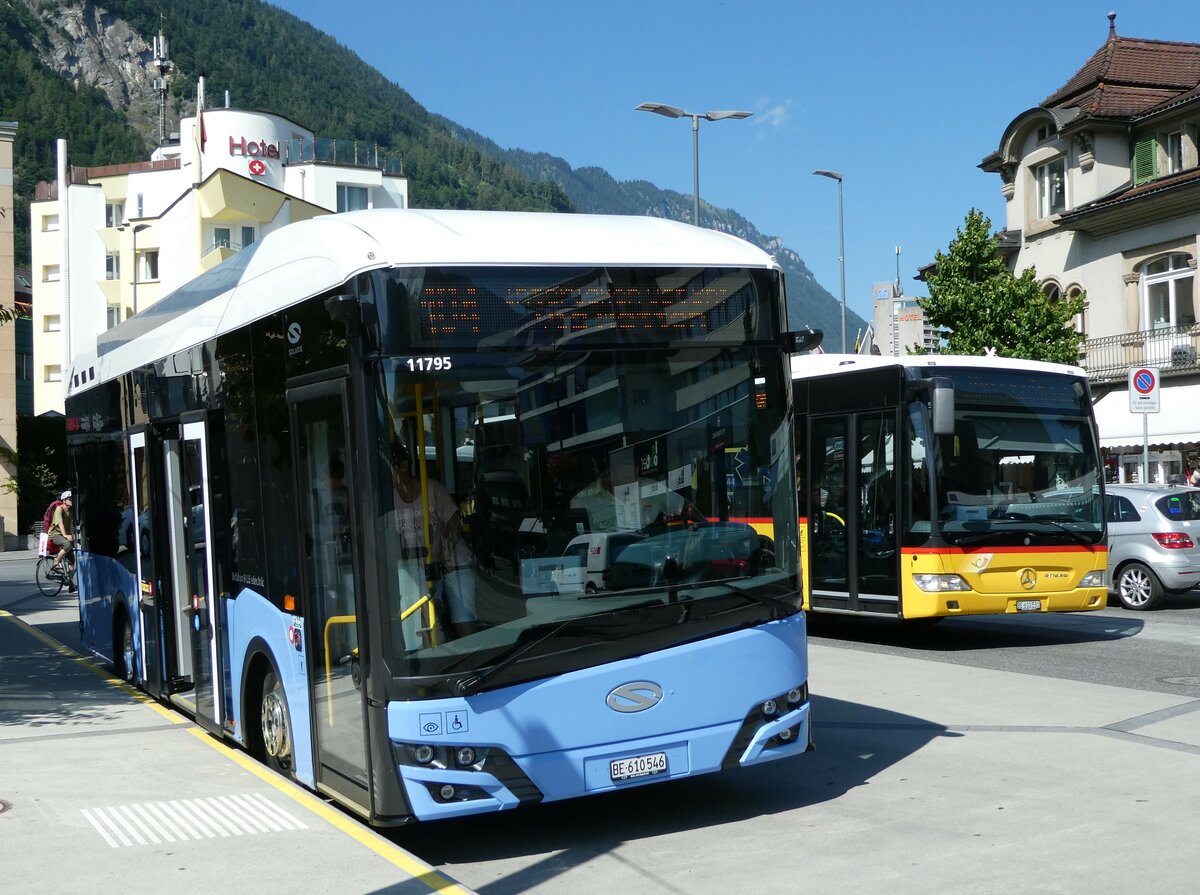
(1101, 182)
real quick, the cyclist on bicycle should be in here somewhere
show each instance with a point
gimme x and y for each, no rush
(61, 535)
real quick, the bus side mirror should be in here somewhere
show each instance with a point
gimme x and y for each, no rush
(941, 405)
(801, 340)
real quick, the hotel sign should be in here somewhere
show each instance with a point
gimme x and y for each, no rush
(250, 149)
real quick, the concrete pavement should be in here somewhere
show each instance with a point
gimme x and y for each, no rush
(103, 790)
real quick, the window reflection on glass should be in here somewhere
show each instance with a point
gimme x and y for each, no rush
(1051, 187)
(564, 481)
(1022, 450)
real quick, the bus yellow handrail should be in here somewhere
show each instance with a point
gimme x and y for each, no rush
(329, 623)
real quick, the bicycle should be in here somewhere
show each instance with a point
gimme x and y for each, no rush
(51, 578)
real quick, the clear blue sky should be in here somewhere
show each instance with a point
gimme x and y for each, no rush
(904, 99)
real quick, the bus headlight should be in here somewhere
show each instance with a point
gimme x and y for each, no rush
(1092, 579)
(940, 583)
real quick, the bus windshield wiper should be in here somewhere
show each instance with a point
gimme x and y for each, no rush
(466, 686)
(755, 596)
(470, 684)
(1016, 526)
(1077, 536)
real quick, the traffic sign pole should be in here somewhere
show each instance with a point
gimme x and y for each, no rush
(1143, 399)
(1146, 447)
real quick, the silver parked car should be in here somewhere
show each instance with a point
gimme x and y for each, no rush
(1153, 542)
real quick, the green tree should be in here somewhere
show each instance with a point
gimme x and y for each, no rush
(980, 304)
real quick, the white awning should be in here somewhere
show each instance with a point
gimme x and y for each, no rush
(1177, 422)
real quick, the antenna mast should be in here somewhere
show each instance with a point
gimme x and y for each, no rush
(899, 290)
(162, 63)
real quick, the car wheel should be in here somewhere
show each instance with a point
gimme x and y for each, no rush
(1138, 588)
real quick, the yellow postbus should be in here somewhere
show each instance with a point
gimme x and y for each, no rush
(934, 486)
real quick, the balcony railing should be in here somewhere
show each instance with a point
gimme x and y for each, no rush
(1172, 349)
(222, 244)
(347, 153)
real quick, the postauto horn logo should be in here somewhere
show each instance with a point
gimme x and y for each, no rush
(636, 696)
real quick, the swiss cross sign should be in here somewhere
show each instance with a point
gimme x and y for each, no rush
(1143, 390)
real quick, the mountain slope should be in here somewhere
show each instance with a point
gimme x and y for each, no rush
(105, 52)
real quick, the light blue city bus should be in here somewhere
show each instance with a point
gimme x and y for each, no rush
(338, 497)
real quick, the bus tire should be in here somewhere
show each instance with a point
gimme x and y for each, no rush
(275, 725)
(1138, 588)
(124, 658)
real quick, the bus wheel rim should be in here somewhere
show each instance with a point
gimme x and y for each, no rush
(274, 724)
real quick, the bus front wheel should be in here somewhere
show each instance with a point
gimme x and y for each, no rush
(276, 726)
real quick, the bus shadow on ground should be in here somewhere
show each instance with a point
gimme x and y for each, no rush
(41, 688)
(979, 632)
(853, 744)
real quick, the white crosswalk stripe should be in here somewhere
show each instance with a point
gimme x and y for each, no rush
(180, 820)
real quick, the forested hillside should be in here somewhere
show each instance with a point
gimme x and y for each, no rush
(53, 51)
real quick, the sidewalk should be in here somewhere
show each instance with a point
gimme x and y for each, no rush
(102, 789)
(29, 556)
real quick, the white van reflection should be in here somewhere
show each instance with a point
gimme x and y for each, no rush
(588, 559)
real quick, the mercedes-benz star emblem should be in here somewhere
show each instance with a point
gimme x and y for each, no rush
(1028, 578)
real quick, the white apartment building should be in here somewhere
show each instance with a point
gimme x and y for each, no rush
(1102, 188)
(110, 241)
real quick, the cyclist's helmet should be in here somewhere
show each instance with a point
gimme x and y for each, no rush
(66, 495)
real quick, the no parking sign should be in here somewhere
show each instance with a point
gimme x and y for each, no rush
(1143, 390)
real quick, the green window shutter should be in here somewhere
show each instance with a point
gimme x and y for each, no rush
(1145, 160)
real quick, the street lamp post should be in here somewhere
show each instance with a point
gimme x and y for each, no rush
(676, 112)
(834, 175)
(137, 228)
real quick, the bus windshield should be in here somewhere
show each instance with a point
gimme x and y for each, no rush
(1022, 460)
(571, 504)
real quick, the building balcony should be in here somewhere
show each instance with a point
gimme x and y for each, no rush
(1173, 350)
(346, 153)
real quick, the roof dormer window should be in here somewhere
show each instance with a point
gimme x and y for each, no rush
(1046, 132)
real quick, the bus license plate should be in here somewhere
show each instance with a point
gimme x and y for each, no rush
(1029, 605)
(639, 766)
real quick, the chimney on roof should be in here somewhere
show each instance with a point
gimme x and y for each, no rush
(1112, 25)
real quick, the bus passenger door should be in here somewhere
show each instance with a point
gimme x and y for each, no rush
(137, 534)
(325, 493)
(878, 568)
(854, 560)
(829, 521)
(196, 605)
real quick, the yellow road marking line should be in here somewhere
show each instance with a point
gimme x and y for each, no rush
(393, 854)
